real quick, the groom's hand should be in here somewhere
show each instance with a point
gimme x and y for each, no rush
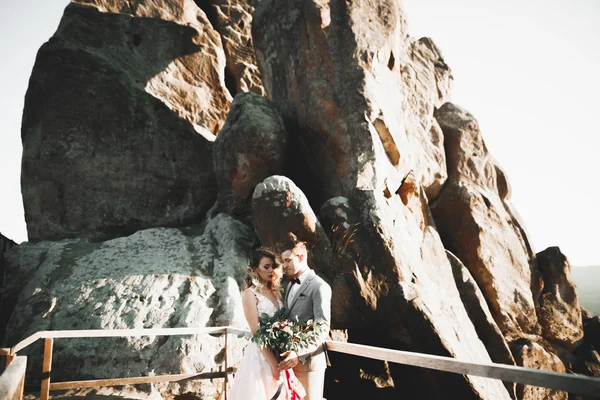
(290, 360)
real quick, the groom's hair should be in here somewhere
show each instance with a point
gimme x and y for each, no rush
(291, 242)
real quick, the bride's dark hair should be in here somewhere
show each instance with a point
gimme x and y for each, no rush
(253, 280)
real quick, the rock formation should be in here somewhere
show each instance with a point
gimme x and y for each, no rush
(356, 148)
(249, 148)
(155, 278)
(478, 227)
(5, 310)
(122, 105)
(233, 21)
(333, 77)
(558, 310)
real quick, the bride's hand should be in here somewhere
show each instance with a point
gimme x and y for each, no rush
(275, 370)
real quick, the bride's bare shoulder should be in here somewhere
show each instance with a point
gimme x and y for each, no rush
(248, 292)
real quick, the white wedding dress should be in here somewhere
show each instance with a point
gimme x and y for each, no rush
(253, 379)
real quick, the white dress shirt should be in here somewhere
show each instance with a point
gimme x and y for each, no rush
(294, 288)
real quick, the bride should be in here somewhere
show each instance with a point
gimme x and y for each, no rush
(258, 376)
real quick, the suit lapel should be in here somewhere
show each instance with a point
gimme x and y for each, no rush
(285, 296)
(303, 286)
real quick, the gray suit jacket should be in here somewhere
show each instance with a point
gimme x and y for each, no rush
(311, 301)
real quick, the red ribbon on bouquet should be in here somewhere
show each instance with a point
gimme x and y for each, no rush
(294, 386)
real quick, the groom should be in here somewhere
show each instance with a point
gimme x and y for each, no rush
(307, 297)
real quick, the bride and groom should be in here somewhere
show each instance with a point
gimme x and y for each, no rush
(305, 297)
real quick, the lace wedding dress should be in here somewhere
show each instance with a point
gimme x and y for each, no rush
(254, 380)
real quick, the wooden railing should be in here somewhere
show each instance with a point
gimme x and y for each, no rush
(47, 385)
(575, 384)
(12, 381)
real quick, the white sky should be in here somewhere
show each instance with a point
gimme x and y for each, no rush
(529, 71)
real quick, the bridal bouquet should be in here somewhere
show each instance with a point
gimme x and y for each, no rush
(281, 334)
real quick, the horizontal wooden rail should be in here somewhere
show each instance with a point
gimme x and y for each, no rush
(123, 333)
(49, 336)
(12, 380)
(4, 352)
(138, 380)
(576, 384)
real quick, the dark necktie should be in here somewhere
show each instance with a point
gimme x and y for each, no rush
(296, 281)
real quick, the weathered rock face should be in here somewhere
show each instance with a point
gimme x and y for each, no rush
(154, 278)
(336, 81)
(559, 311)
(478, 227)
(180, 61)
(532, 355)
(426, 83)
(480, 315)
(16, 267)
(399, 273)
(249, 148)
(112, 114)
(233, 20)
(588, 352)
(330, 74)
(592, 331)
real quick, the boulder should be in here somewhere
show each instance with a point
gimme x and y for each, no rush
(249, 148)
(559, 312)
(476, 224)
(122, 105)
(156, 278)
(279, 207)
(532, 355)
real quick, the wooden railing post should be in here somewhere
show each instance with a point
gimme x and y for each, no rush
(21, 389)
(12, 379)
(226, 366)
(9, 359)
(8, 355)
(46, 369)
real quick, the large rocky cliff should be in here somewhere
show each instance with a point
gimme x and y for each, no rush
(164, 139)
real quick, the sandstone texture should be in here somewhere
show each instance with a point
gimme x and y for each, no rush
(249, 148)
(156, 278)
(233, 21)
(330, 74)
(477, 225)
(559, 310)
(532, 355)
(122, 105)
